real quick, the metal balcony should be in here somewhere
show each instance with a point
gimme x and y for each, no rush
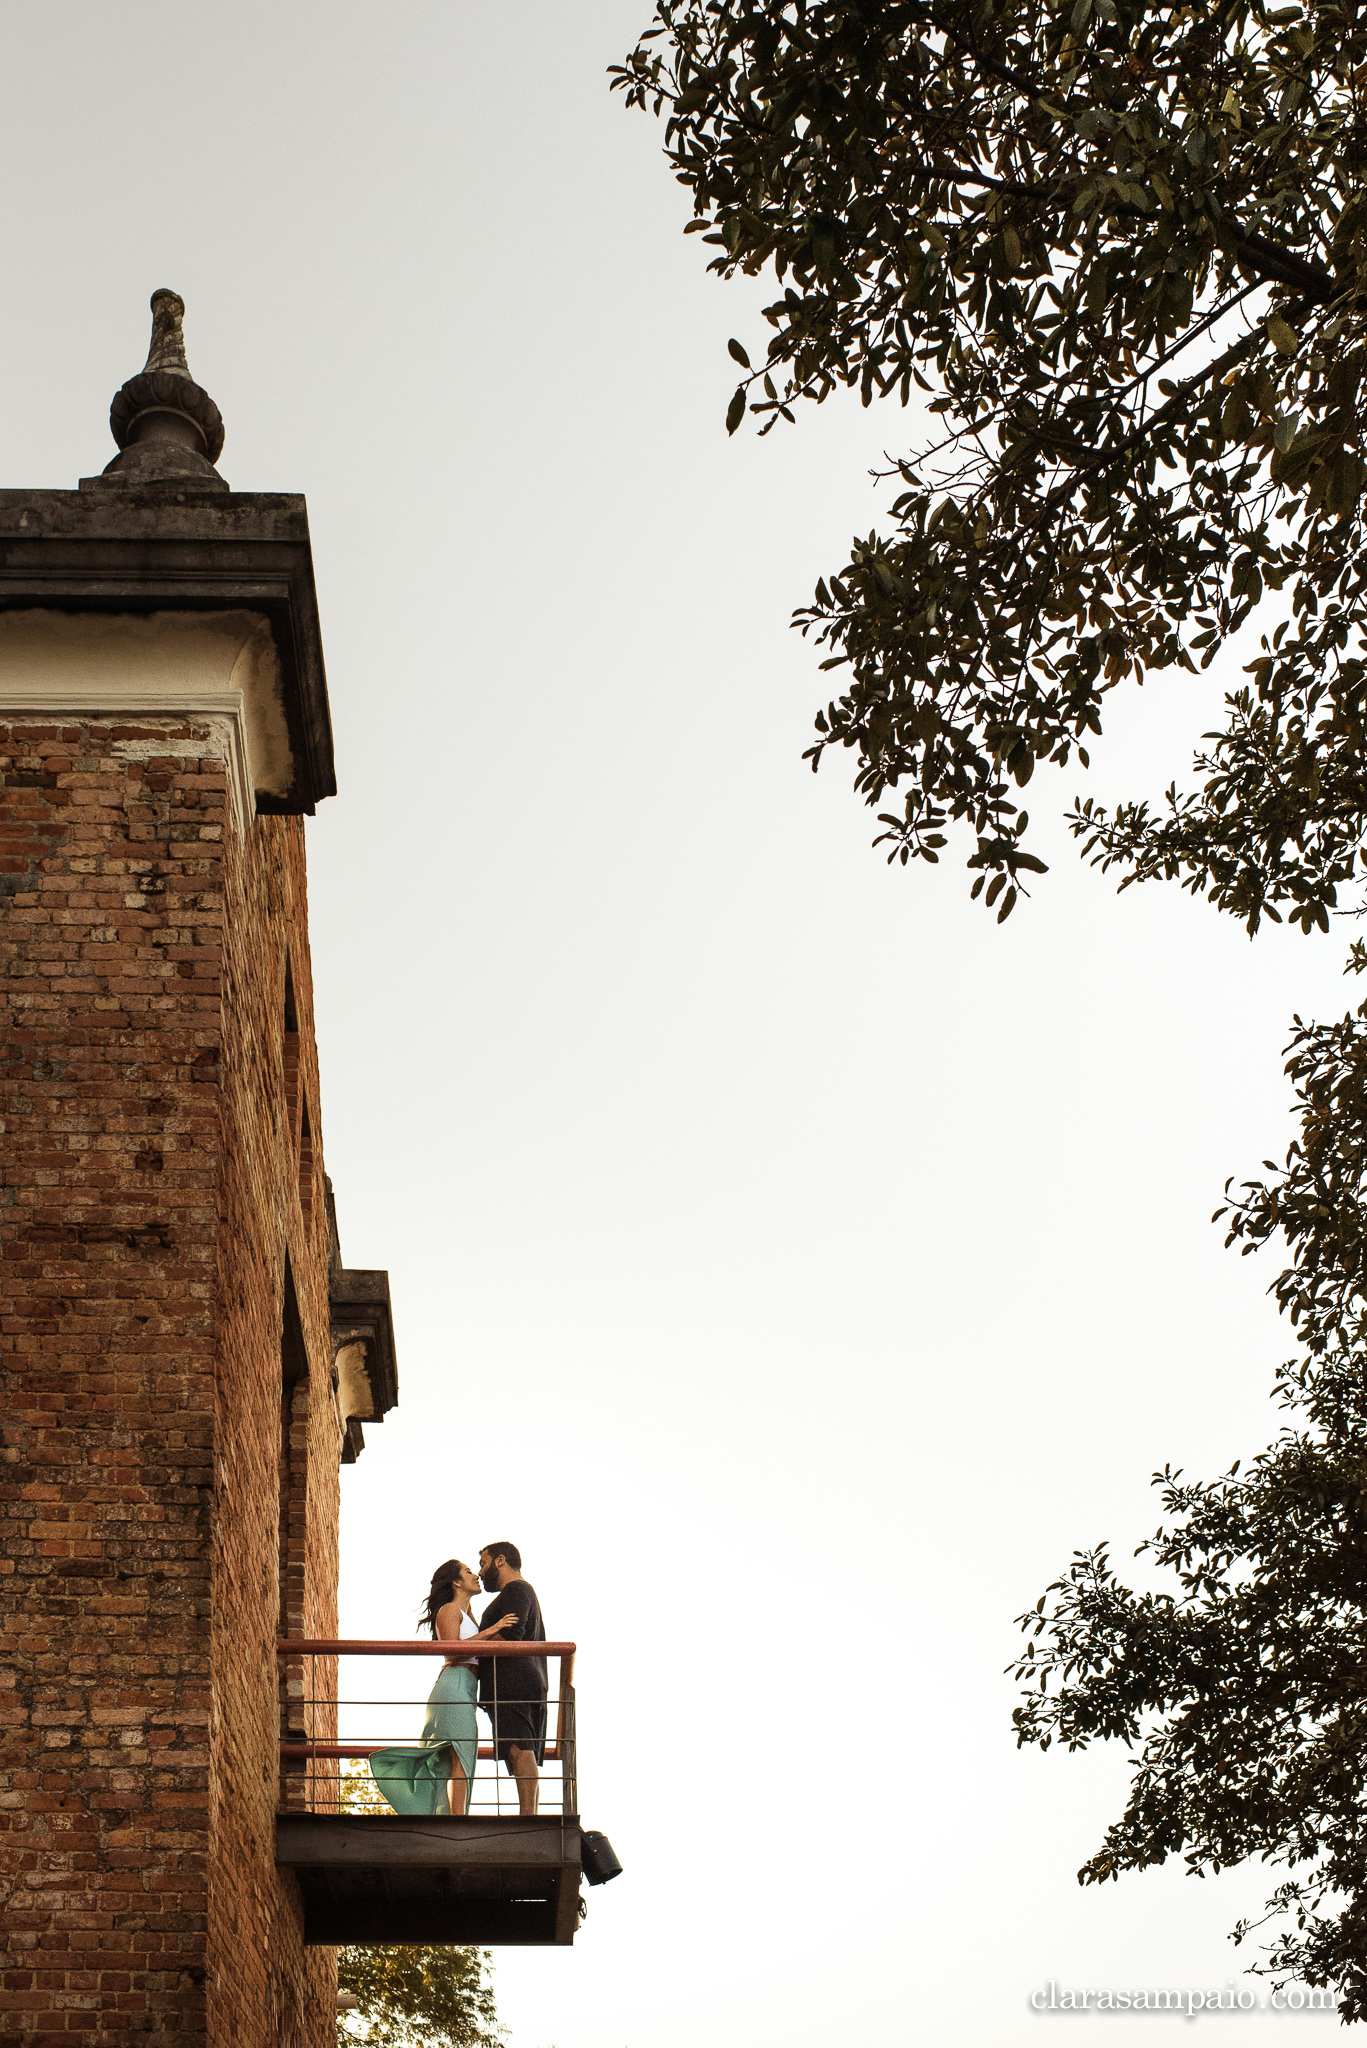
(490, 1877)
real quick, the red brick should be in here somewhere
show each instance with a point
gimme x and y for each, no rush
(153, 1156)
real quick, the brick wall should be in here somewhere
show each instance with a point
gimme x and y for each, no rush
(150, 1198)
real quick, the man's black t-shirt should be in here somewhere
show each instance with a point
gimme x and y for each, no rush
(514, 1678)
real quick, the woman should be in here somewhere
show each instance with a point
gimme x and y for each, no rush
(424, 1781)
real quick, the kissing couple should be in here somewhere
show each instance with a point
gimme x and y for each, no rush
(439, 1777)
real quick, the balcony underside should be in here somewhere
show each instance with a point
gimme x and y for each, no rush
(372, 1878)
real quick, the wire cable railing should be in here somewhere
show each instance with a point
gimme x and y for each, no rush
(325, 1767)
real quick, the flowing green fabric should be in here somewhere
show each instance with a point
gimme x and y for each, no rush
(417, 1781)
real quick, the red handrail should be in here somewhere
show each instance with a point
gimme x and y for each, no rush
(333, 1750)
(307, 1647)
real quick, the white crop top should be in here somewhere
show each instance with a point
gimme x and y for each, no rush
(468, 1627)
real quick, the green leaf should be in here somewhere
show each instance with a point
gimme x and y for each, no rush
(738, 353)
(735, 412)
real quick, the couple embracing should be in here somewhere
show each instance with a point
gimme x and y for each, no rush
(438, 1778)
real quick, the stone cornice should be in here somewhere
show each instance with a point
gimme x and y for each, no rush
(134, 553)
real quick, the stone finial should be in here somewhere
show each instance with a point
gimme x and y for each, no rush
(167, 351)
(168, 429)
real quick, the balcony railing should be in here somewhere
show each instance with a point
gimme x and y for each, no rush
(366, 1874)
(314, 1744)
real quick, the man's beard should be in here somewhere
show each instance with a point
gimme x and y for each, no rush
(489, 1579)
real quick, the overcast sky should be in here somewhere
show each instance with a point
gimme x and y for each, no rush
(795, 1265)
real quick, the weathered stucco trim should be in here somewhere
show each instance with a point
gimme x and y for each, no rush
(354, 1396)
(222, 666)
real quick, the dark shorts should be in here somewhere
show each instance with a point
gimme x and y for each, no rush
(517, 1722)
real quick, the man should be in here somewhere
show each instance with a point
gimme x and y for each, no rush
(512, 1690)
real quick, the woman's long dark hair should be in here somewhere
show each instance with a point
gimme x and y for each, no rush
(443, 1591)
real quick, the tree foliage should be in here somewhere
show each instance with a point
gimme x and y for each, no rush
(413, 1997)
(1115, 258)
(1245, 1692)
(1116, 253)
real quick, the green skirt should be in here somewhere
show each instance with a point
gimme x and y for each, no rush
(418, 1780)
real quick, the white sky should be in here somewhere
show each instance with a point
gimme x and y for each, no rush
(795, 1265)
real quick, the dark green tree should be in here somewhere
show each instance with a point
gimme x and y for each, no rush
(1116, 253)
(1244, 1691)
(411, 1997)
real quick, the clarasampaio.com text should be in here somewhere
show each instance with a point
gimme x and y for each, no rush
(1285, 1998)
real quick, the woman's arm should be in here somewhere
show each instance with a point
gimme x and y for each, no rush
(448, 1626)
(487, 1634)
